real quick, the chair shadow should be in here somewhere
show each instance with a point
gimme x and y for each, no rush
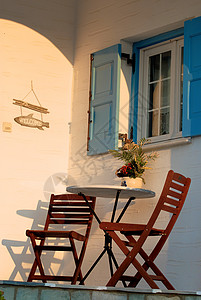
(22, 253)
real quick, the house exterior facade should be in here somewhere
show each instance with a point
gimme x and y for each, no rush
(59, 51)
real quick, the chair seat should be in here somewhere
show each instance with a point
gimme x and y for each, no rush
(54, 233)
(130, 229)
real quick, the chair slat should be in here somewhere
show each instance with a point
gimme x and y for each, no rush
(177, 186)
(126, 278)
(57, 221)
(175, 194)
(157, 278)
(69, 203)
(70, 209)
(54, 248)
(70, 216)
(172, 201)
(180, 178)
(170, 209)
(69, 197)
(52, 278)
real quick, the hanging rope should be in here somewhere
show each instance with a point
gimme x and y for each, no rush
(32, 91)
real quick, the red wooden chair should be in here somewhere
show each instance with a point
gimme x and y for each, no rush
(66, 212)
(171, 201)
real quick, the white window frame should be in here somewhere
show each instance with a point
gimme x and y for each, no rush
(175, 46)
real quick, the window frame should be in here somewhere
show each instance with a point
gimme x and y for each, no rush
(135, 122)
(173, 45)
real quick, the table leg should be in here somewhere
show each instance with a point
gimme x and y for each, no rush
(115, 205)
(92, 210)
(112, 258)
(124, 209)
(93, 266)
(108, 240)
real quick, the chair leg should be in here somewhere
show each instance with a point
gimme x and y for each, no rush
(113, 259)
(148, 264)
(159, 276)
(37, 261)
(119, 272)
(77, 263)
(32, 272)
(125, 264)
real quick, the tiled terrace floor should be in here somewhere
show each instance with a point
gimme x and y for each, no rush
(37, 291)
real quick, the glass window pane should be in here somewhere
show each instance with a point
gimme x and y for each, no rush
(164, 121)
(153, 123)
(154, 67)
(166, 64)
(165, 93)
(154, 96)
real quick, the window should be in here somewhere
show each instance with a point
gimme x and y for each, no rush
(165, 100)
(160, 90)
(166, 89)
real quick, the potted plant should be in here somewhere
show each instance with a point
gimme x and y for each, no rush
(136, 161)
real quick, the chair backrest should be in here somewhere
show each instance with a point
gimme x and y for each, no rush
(69, 209)
(171, 200)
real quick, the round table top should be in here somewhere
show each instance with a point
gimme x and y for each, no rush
(109, 191)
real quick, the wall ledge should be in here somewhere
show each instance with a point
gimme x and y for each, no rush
(167, 144)
(20, 284)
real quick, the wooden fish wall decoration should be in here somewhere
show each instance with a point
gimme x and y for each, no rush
(29, 121)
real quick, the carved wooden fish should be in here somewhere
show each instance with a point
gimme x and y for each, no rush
(29, 121)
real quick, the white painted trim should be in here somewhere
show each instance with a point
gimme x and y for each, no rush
(167, 144)
(173, 45)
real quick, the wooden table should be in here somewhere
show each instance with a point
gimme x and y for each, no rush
(109, 191)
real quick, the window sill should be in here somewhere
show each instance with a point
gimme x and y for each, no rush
(167, 144)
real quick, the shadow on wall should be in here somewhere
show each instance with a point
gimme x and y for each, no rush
(53, 19)
(20, 251)
(22, 254)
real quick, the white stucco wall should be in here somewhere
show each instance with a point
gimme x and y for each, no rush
(101, 24)
(37, 41)
(36, 45)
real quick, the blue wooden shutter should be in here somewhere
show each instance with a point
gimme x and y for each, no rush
(192, 78)
(104, 108)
